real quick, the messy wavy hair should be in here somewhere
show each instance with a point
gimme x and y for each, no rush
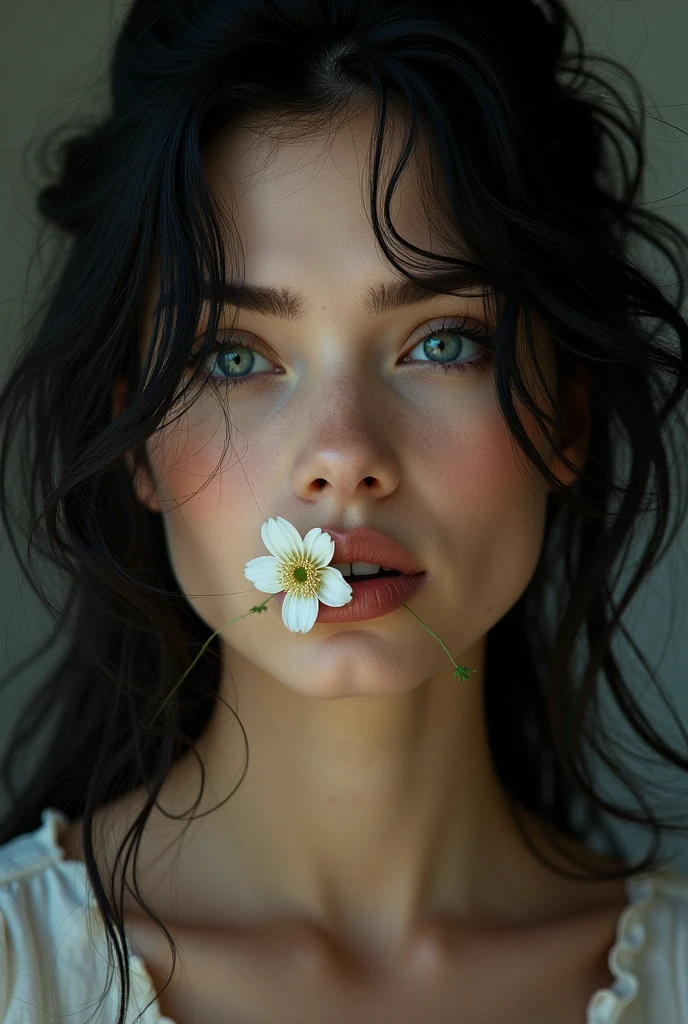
(529, 168)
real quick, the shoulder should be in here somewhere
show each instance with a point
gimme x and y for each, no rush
(26, 854)
(658, 917)
(649, 960)
(55, 962)
(48, 962)
(35, 878)
(658, 909)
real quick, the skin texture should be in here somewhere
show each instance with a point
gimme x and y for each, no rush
(371, 814)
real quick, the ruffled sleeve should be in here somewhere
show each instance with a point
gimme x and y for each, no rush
(649, 959)
(53, 943)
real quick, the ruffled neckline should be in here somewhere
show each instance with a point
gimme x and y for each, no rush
(606, 1005)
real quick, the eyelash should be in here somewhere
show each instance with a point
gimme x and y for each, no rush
(453, 324)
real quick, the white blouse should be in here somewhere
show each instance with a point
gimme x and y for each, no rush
(54, 966)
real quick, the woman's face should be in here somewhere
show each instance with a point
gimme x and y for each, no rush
(341, 392)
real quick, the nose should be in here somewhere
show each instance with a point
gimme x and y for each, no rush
(347, 447)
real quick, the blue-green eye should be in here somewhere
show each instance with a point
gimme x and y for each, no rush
(440, 348)
(238, 360)
(234, 362)
(448, 342)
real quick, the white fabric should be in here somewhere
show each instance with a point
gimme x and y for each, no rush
(53, 951)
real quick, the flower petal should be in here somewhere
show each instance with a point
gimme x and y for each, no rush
(319, 546)
(281, 538)
(334, 591)
(299, 613)
(309, 540)
(309, 612)
(290, 612)
(262, 572)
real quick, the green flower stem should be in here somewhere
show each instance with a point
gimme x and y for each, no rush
(461, 672)
(256, 608)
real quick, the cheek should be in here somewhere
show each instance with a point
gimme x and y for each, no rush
(488, 510)
(211, 517)
(469, 490)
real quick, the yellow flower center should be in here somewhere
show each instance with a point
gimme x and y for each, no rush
(299, 576)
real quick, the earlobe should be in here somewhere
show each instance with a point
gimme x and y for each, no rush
(142, 481)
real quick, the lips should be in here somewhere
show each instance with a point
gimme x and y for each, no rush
(374, 596)
(364, 544)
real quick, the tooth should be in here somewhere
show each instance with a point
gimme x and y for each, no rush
(388, 568)
(344, 567)
(362, 568)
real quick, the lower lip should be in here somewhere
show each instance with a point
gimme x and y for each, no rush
(371, 598)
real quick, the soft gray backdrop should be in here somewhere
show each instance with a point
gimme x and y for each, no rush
(52, 53)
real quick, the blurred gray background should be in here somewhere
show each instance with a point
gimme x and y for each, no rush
(52, 57)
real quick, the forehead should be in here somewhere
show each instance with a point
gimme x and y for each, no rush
(298, 202)
(304, 197)
(295, 213)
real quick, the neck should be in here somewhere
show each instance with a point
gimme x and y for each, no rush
(368, 818)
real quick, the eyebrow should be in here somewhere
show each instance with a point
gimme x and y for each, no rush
(381, 298)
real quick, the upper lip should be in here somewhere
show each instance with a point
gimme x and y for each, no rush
(364, 544)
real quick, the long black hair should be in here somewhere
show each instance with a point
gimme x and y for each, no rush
(530, 168)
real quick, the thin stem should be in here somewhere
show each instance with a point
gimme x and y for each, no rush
(256, 608)
(461, 671)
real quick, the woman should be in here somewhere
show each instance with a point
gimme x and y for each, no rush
(339, 266)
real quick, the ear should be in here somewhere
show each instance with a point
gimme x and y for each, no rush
(143, 483)
(578, 420)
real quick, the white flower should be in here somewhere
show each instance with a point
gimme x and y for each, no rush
(300, 568)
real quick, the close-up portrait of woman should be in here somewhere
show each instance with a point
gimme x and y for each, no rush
(344, 397)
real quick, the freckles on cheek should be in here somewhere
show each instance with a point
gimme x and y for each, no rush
(477, 483)
(491, 517)
(472, 463)
(200, 465)
(211, 515)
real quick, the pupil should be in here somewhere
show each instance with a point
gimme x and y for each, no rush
(436, 345)
(229, 360)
